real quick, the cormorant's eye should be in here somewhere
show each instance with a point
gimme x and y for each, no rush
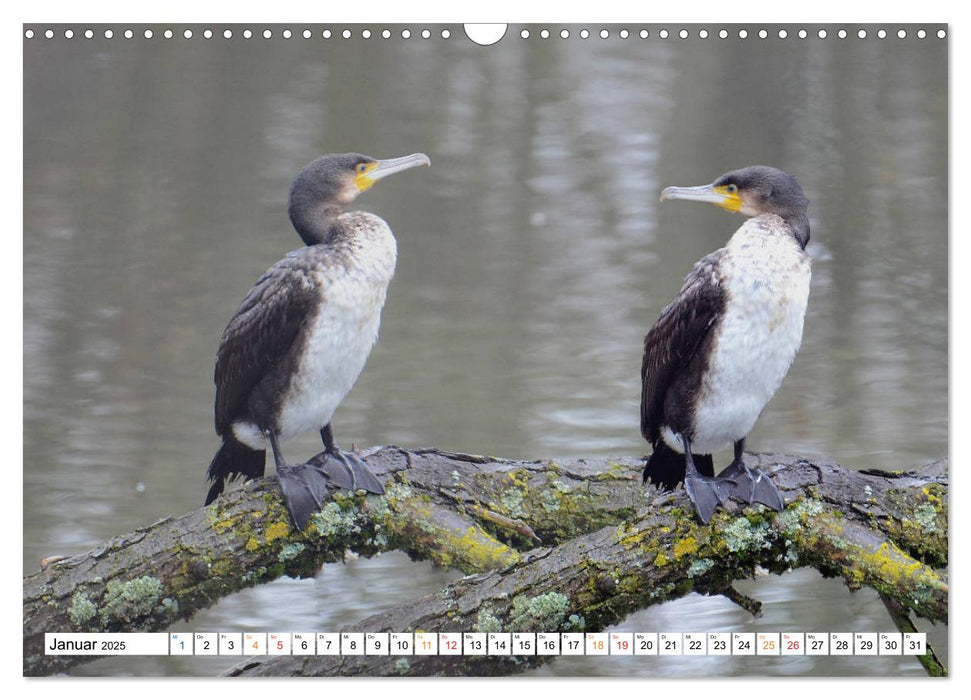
(733, 188)
(361, 167)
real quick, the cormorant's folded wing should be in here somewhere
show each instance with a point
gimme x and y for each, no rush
(676, 337)
(261, 332)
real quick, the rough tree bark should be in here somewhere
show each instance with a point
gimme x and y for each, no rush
(567, 545)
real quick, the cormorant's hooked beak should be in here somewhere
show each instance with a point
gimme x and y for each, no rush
(382, 168)
(721, 195)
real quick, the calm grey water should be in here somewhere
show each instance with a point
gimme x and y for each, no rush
(534, 255)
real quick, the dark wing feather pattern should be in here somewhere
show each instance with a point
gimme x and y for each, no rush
(264, 327)
(676, 337)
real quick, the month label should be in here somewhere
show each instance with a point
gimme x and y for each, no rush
(113, 643)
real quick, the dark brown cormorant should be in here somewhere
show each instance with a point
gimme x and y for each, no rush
(299, 340)
(721, 349)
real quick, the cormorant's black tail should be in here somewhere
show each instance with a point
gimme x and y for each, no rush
(665, 468)
(232, 460)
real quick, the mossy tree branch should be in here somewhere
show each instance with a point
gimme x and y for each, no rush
(610, 547)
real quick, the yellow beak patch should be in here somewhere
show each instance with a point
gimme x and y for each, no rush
(731, 201)
(362, 179)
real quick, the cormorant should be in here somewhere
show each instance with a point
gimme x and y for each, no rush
(721, 349)
(300, 338)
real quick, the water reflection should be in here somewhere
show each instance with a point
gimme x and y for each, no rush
(533, 257)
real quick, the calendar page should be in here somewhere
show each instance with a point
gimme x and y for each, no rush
(474, 350)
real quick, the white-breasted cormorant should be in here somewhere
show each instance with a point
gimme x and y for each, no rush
(300, 339)
(721, 349)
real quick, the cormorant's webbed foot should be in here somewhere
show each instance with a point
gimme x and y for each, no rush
(356, 474)
(304, 486)
(705, 492)
(348, 471)
(752, 485)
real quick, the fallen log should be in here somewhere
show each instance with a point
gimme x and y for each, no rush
(586, 530)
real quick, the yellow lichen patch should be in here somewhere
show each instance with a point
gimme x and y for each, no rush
(471, 549)
(891, 564)
(685, 547)
(882, 566)
(660, 560)
(933, 493)
(277, 531)
(614, 472)
(221, 525)
(252, 544)
(627, 536)
(518, 477)
(474, 550)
